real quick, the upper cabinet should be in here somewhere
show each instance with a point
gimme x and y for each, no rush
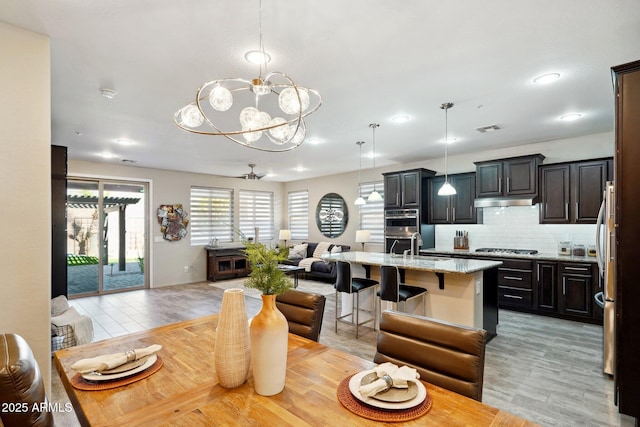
(571, 193)
(455, 209)
(406, 189)
(517, 176)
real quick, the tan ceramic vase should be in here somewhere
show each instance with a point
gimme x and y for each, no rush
(232, 352)
(269, 333)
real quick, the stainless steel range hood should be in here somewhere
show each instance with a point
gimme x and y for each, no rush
(497, 202)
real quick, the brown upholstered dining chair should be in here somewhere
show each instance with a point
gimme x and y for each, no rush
(445, 354)
(304, 312)
(21, 384)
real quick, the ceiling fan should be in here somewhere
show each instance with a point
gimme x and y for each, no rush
(252, 175)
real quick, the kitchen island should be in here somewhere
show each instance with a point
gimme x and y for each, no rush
(463, 291)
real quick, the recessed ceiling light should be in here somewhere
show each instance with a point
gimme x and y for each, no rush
(546, 78)
(257, 57)
(124, 141)
(571, 117)
(300, 169)
(107, 155)
(400, 118)
(315, 141)
(450, 140)
(108, 93)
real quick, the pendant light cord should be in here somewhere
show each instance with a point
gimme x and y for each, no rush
(446, 144)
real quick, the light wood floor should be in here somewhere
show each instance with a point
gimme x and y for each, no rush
(543, 369)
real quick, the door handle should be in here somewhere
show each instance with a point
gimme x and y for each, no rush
(513, 296)
(513, 278)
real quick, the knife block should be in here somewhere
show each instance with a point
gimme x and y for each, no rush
(461, 242)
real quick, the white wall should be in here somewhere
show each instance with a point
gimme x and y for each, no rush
(25, 147)
(168, 259)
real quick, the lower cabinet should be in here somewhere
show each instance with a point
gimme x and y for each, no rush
(559, 289)
(547, 286)
(576, 298)
(515, 283)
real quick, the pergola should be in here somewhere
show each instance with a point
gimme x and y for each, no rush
(108, 204)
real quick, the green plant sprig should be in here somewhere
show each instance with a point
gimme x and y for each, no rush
(265, 275)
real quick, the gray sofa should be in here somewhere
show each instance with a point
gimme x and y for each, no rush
(320, 270)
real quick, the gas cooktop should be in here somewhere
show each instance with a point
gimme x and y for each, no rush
(508, 251)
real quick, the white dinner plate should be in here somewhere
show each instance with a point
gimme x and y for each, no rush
(92, 376)
(354, 387)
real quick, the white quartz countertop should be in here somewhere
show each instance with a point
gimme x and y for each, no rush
(417, 262)
(537, 257)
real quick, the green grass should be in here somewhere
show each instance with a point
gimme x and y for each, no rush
(81, 260)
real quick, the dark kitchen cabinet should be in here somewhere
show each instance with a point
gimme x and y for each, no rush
(455, 209)
(627, 267)
(517, 176)
(547, 286)
(406, 189)
(571, 193)
(576, 293)
(589, 180)
(515, 288)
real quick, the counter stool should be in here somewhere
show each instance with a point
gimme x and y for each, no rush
(352, 285)
(392, 290)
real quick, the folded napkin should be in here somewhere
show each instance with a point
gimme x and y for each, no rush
(399, 377)
(110, 361)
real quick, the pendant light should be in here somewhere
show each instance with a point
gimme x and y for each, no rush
(446, 189)
(374, 196)
(360, 200)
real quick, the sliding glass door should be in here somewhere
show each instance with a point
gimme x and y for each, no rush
(107, 233)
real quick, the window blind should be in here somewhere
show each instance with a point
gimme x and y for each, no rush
(298, 210)
(256, 210)
(372, 213)
(211, 215)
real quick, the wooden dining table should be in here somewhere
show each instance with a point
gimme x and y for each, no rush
(185, 390)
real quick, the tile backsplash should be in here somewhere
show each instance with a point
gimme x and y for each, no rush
(516, 227)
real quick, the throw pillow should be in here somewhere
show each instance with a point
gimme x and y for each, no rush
(298, 251)
(59, 305)
(321, 249)
(336, 249)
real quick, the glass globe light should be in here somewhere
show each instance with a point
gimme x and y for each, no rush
(262, 119)
(280, 133)
(191, 116)
(252, 136)
(288, 100)
(247, 116)
(220, 98)
(300, 133)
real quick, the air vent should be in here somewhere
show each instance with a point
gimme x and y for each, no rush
(129, 161)
(490, 128)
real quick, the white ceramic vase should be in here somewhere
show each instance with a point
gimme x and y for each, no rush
(232, 352)
(269, 332)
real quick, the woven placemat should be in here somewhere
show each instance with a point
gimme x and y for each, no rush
(350, 402)
(81, 384)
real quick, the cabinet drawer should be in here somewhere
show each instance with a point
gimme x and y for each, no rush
(575, 268)
(514, 297)
(517, 264)
(514, 278)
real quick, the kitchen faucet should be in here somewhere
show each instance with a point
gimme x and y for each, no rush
(415, 236)
(393, 245)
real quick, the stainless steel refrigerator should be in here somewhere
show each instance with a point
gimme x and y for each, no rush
(605, 253)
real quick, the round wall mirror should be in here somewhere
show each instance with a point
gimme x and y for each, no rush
(332, 215)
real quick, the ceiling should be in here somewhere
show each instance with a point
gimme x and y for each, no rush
(369, 59)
